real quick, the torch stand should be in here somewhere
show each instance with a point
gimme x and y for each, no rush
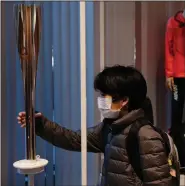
(30, 168)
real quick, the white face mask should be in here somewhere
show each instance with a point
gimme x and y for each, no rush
(104, 105)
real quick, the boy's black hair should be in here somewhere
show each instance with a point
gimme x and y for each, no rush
(148, 110)
(122, 82)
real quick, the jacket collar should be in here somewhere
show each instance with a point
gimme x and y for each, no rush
(127, 118)
(130, 117)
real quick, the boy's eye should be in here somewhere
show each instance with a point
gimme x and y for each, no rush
(114, 99)
(102, 94)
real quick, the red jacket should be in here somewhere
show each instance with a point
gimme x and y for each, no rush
(175, 46)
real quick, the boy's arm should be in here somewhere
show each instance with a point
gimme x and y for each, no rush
(154, 163)
(67, 139)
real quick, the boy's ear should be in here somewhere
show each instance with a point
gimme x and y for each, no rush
(124, 102)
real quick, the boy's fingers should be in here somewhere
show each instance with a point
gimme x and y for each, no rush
(22, 126)
(22, 113)
(38, 115)
(22, 119)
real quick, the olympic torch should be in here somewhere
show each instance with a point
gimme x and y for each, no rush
(28, 32)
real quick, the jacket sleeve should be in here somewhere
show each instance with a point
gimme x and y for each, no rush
(169, 49)
(154, 163)
(67, 139)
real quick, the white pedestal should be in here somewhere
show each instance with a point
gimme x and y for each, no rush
(30, 167)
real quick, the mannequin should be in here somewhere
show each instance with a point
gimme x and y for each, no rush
(175, 77)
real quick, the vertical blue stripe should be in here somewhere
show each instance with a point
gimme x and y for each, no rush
(39, 105)
(56, 19)
(57, 57)
(75, 86)
(90, 61)
(12, 125)
(47, 82)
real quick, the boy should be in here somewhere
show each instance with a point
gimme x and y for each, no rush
(122, 94)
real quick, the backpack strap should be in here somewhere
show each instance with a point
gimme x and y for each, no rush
(165, 138)
(132, 146)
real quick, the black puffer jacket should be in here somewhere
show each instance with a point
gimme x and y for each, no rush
(117, 170)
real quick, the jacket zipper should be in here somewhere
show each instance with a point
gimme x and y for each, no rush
(106, 154)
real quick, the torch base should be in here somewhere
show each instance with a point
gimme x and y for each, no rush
(30, 166)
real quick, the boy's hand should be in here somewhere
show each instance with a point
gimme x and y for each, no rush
(22, 118)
